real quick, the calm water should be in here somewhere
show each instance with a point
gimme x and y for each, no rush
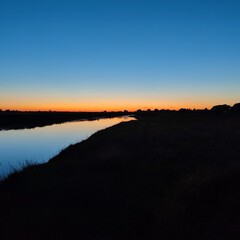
(42, 143)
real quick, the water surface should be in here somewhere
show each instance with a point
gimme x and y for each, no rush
(40, 144)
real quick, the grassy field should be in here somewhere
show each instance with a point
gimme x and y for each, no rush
(163, 176)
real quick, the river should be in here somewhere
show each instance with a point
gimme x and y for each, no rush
(38, 145)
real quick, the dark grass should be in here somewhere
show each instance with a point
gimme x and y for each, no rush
(165, 176)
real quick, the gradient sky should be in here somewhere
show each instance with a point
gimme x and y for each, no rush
(119, 54)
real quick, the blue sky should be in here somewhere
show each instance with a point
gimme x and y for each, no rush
(118, 54)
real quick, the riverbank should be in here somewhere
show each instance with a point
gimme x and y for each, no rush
(171, 176)
(39, 144)
(20, 120)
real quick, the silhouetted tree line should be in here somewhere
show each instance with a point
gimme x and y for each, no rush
(218, 109)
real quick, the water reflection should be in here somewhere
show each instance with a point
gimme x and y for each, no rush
(40, 144)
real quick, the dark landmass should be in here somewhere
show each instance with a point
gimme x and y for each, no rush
(168, 175)
(18, 120)
(12, 119)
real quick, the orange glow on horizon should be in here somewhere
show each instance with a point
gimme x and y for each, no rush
(99, 103)
(102, 107)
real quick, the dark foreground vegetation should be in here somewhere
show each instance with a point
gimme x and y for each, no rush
(168, 175)
(18, 120)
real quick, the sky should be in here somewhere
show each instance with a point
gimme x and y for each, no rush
(96, 55)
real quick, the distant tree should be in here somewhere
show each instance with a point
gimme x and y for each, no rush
(220, 109)
(125, 111)
(236, 108)
(183, 110)
(164, 110)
